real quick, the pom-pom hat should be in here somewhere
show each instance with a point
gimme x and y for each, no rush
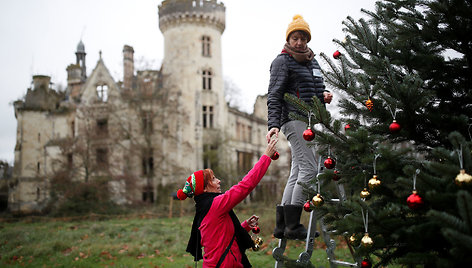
(193, 186)
(298, 24)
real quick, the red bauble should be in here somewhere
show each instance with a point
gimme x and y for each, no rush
(329, 163)
(347, 127)
(308, 134)
(336, 176)
(415, 201)
(366, 264)
(275, 156)
(394, 127)
(256, 230)
(336, 54)
(307, 206)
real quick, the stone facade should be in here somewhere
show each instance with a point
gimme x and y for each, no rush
(150, 130)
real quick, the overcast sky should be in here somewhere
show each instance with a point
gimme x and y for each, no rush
(41, 37)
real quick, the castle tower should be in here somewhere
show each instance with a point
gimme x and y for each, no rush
(76, 73)
(192, 65)
(80, 56)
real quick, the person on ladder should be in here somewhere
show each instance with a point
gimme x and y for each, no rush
(294, 71)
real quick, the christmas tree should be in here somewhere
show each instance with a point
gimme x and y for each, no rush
(402, 146)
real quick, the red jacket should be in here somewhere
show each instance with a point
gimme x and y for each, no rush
(217, 229)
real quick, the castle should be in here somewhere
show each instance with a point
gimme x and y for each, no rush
(149, 130)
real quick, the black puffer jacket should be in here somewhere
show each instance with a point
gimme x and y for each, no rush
(289, 76)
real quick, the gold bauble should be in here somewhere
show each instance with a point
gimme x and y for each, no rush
(463, 178)
(318, 200)
(367, 241)
(374, 182)
(258, 241)
(352, 239)
(365, 194)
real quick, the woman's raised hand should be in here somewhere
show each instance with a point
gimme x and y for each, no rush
(270, 150)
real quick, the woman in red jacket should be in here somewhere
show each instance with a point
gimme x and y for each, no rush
(215, 226)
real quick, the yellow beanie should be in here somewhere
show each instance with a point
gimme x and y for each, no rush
(298, 24)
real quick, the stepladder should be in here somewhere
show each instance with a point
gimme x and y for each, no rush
(304, 259)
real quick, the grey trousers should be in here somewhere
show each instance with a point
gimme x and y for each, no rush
(304, 163)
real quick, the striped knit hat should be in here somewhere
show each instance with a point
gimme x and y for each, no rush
(193, 186)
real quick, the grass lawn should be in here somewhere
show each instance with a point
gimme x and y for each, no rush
(144, 240)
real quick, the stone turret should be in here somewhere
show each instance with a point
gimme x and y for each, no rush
(173, 13)
(80, 59)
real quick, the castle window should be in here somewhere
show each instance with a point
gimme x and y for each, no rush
(147, 123)
(148, 162)
(102, 92)
(148, 194)
(210, 156)
(207, 112)
(206, 46)
(244, 162)
(70, 161)
(102, 157)
(102, 127)
(206, 79)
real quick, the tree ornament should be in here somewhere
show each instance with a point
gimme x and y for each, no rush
(307, 206)
(369, 104)
(366, 241)
(256, 230)
(275, 156)
(374, 183)
(365, 194)
(337, 54)
(394, 127)
(257, 243)
(352, 239)
(347, 127)
(336, 176)
(366, 263)
(329, 163)
(463, 178)
(415, 201)
(308, 134)
(318, 200)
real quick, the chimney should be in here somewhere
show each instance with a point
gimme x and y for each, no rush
(41, 81)
(128, 66)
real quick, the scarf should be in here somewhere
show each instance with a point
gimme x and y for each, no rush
(202, 204)
(300, 56)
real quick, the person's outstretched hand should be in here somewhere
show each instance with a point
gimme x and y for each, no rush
(253, 221)
(270, 150)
